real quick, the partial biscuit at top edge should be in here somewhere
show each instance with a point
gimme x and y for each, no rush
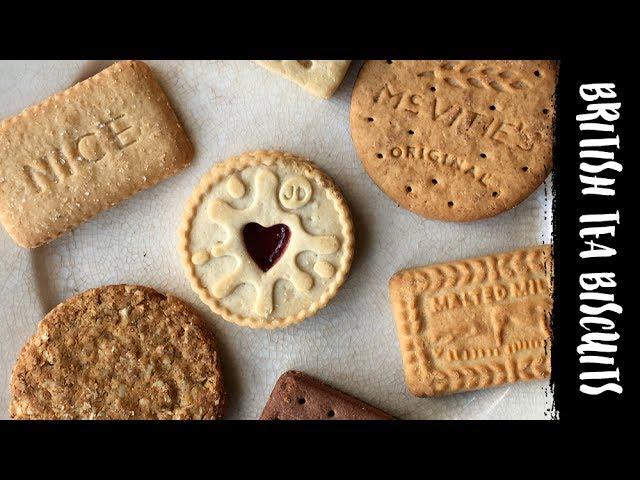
(321, 78)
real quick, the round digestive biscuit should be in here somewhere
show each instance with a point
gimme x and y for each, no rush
(119, 352)
(267, 239)
(455, 140)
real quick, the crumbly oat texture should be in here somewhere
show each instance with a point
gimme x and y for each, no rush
(475, 323)
(119, 352)
(455, 140)
(270, 189)
(298, 396)
(86, 149)
(320, 77)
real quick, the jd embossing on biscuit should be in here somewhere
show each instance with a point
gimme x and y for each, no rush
(267, 239)
(86, 149)
(234, 220)
(475, 323)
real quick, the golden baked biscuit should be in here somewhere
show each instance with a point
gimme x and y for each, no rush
(86, 149)
(267, 239)
(119, 352)
(455, 140)
(475, 323)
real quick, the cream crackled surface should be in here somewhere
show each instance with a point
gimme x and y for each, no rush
(229, 108)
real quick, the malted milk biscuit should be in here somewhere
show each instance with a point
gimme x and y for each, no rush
(475, 323)
(84, 150)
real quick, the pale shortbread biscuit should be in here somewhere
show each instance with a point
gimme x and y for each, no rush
(119, 352)
(267, 239)
(475, 323)
(320, 77)
(86, 149)
(455, 140)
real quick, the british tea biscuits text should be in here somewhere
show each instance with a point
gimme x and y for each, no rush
(119, 352)
(455, 140)
(84, 150)
(474, 323)
(298, 396)
(267, 239)
(320, 77)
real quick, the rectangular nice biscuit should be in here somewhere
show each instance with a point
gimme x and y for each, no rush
(320, 77)
(298, 396)
(86, 149)
(474, 323)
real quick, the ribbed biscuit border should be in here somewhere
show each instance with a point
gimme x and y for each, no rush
(40, 108)
(421, 378)
(236, 164)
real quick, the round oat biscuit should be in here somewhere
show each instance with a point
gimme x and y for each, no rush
(267, 239)
(455, 140)
(119, 352)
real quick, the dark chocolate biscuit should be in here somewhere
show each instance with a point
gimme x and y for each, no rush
(297, 396)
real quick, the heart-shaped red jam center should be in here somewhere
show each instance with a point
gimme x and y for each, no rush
(265, 244)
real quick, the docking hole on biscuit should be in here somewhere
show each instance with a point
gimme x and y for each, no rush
(419, 138)
(301, 401)
(379, 155)
(495, 194)
(369, 119)
(389, 62)
(331, 413)
(306, 63)
(525, 169)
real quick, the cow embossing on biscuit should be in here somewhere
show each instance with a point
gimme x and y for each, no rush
(523, 314)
